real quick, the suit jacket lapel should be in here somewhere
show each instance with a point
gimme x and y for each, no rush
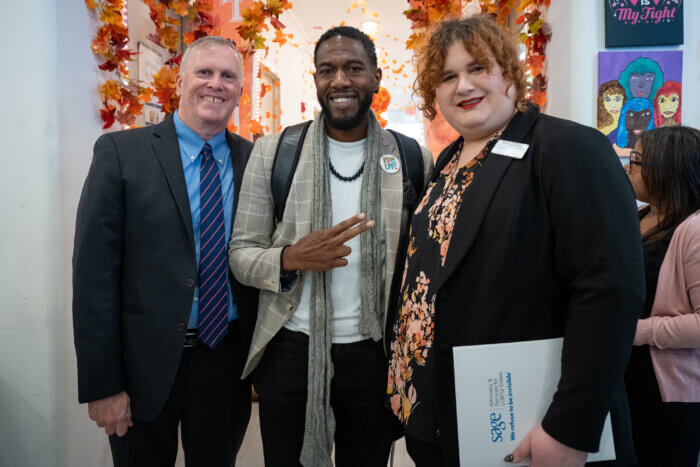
(392, 207)
(238, 167)
(167, 150)
(476, 199)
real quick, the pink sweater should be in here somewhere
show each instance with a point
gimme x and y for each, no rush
(673, 329)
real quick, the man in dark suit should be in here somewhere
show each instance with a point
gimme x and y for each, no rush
(160, 324)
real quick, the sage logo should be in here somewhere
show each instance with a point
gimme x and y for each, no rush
(497, 427)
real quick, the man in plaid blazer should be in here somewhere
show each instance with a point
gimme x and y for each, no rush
(278, 258)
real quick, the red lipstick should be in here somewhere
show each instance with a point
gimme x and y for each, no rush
(467, 104)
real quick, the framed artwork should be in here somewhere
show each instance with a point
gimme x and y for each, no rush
(630, 23)
(150, 59)
(637, 91)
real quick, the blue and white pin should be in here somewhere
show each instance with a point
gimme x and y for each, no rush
(390, 163)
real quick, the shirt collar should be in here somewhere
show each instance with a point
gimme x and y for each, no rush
(191, 143)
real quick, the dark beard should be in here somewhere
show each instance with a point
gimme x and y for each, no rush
(347, 123)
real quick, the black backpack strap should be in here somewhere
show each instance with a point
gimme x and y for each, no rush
(285, 164)
(412, 168)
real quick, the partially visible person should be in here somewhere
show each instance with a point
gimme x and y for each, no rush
(611, 98)
(535, 244)
(667, 105)
(324, 269)
(663, 376)
(161, 327)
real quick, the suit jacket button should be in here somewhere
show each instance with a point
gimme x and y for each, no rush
(189, 282)
(444, 348)
(181, 326)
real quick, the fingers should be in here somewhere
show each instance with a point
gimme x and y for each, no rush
(347, 223)
(521, 452)
(122, 427)
(355, 231)
(339, 263)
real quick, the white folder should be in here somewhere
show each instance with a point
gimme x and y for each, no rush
(503, 391)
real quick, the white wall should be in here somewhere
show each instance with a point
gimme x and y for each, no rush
(579, 34)
(48, 124)
(292, 65)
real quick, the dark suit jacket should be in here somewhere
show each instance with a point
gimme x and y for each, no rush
(135, 267)
(546, 246)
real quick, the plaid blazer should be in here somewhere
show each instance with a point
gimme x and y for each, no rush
(256, 242)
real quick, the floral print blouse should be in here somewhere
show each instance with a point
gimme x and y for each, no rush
(411, 388)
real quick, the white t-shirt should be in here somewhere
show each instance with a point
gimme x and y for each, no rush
(345, 282)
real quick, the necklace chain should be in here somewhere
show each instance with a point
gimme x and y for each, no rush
(343, 178)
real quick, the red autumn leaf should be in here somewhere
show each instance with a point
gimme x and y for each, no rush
(109, 65)
(175, 60)
(276, 23)
(107, 114)
(303, 107)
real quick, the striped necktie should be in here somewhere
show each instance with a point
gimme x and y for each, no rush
(213, 258)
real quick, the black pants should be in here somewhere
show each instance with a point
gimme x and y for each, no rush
(665, 433)
(365, 428)
(424, 453)
(209, 402)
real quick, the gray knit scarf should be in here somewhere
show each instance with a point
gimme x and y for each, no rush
(319, 425)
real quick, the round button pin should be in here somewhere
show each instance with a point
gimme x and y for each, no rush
(390, 163)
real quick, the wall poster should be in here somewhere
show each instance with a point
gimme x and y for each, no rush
(637, 91)
(630, 23)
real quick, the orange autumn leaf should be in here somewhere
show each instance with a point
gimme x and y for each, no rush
(109, 16)
(280, 37)
(170, 37)
(181, 7)
(263, 90)
(110, 90)
(164, 88)
(255, 127)
(380, 103)
(90, 4)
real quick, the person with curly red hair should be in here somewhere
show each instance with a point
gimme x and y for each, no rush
(501, 248)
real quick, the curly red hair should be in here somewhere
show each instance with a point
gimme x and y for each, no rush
(485, 41)
(668, 88)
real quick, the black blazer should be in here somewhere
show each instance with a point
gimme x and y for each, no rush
(135, 267)
(546, 246)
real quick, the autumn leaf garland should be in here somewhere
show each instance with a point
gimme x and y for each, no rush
(535, 34)
(123, 99)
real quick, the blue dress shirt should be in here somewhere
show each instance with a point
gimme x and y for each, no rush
(190, 147)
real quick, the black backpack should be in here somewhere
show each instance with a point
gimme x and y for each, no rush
(287, 158)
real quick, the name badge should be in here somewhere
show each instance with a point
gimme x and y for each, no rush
(390, 164)
(512, 149)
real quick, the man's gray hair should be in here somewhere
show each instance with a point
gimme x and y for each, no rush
(208, 41)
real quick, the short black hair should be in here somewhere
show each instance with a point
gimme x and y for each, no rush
(351, 33)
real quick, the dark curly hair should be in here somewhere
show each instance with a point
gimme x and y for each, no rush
(485, 41)
(351, 33)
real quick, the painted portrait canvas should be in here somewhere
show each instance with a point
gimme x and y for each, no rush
(637, 91)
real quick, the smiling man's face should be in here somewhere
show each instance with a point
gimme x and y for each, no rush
(210, 84)
(346, 82)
